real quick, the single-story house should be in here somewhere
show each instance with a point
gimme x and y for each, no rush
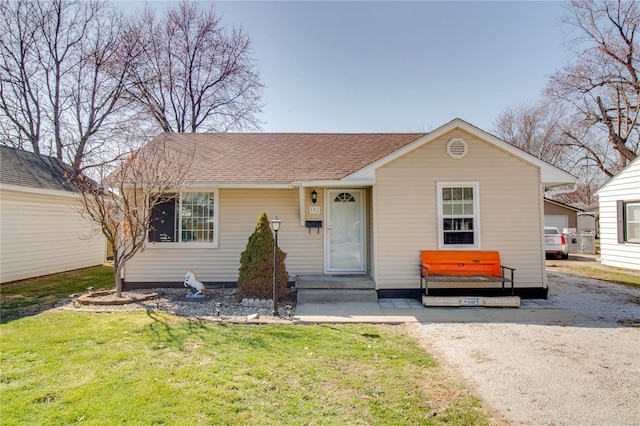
(353, 204)
(560, 215)
(620, 218)
(41, 229)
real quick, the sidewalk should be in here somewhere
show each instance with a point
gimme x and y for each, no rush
(397, 311)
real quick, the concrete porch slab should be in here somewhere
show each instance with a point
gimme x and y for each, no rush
(396, 311)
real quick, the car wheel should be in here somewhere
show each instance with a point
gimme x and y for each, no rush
(564, 256)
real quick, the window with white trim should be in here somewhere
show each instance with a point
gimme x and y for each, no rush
(458, 215)
(629, 221)
(189, 217)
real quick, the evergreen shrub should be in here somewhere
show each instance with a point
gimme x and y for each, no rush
(256, 264)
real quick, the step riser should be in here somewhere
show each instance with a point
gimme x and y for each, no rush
(335, 283)
(351, 285)
(336, 296)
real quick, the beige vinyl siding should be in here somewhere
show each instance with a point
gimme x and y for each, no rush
(623, 187)
(239, 210)
(45, 234)
(406, 210)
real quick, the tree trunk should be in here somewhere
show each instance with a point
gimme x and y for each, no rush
(116, 271)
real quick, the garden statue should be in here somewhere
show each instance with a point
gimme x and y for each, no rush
(197, 289)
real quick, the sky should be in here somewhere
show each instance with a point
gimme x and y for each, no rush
(376, 67)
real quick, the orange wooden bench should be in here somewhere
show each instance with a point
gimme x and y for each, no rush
(447, 266)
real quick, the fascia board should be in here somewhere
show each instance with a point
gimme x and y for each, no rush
(335, 183)
(218, 185)
(39, 191)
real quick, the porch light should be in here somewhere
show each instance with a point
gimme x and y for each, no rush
(314, 196)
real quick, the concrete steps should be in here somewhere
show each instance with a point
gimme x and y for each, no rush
(335, 289)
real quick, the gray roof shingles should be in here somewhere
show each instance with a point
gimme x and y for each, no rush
(24, 168)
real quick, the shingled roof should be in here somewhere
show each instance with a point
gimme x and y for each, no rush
(33, 170)
(280, 158)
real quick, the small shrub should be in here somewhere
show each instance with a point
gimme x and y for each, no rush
(256, 264)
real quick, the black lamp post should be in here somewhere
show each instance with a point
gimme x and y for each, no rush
(275, 224)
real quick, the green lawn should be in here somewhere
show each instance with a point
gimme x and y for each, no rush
(46, 291)
(147, 367)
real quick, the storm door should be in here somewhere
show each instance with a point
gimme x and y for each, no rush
(345, 237)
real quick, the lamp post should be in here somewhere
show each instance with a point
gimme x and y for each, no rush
(275, 224)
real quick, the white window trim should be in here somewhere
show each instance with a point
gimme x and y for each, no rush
(216, 225)
(627, 222)
(476, 215)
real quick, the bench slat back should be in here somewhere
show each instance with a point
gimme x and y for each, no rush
(466, 263)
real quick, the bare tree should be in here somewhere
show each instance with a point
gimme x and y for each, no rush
(538, 130)
(192, 73)
(62, 76)
(121, 205)
(541, 130)
(601, 86)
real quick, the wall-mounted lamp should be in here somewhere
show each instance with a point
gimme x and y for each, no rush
(314, 196)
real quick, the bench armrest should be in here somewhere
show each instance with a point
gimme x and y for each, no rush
(511, 271)
(424, 272)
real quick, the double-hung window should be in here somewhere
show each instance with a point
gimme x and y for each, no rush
(629, 221)
(187, 218)
(458, 215)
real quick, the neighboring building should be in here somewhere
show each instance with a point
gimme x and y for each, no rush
(41, 229)
(580, 229)
(352, 204)
(620, 218)
(560, 215)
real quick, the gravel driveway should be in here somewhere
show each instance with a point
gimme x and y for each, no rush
(584, 373)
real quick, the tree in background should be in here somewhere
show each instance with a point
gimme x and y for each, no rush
(256, 264)
(192, 74)
(122, 204)
(537, 129)
(600, 86)
(77, 77)
(63, 71)
(540, 130)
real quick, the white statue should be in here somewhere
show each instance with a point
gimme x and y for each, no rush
(191, 280)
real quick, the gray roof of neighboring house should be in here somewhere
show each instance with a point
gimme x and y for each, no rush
(24, 168)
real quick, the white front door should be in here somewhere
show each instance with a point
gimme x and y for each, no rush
(345, 242)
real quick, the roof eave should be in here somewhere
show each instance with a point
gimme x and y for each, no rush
(40, 191)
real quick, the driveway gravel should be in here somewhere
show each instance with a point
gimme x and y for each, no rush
(582, 373)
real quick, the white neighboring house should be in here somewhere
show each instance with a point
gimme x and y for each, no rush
(620, 218)
(41, 229)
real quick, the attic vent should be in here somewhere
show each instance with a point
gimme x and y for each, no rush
(456, 148)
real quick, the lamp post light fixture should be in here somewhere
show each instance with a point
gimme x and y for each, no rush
(218, 308)
(275, 224)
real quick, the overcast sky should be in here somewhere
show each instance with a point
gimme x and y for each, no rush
(397, 66)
